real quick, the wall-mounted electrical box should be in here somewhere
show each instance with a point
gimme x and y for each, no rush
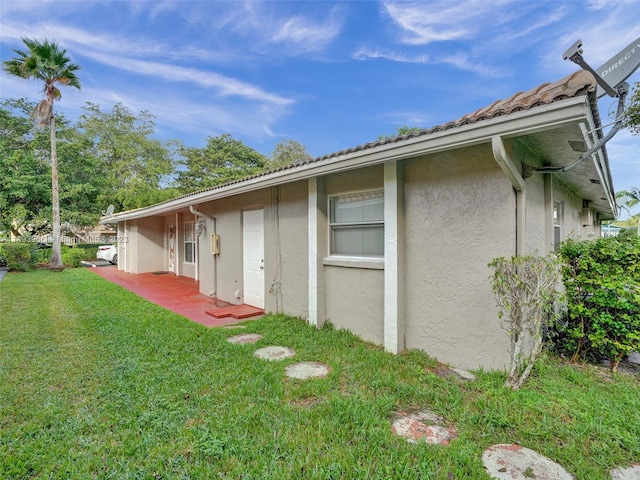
(215, 244)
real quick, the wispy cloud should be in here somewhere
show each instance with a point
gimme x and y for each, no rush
(365, 53)
(461, 60)
(224, 85)
(92, 41)
(303, 35)
(422, 23)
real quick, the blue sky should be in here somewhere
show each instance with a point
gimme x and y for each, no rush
(330, 75)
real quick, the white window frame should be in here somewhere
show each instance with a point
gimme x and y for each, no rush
(363, 258)
(189, 227)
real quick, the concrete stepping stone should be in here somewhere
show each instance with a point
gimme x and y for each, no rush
(630, 473)
(305, 370)
(423, 425)
(464, 375)
(274, 352)
(513, 462)
(444, 371)
(234, 327)
(244, 338)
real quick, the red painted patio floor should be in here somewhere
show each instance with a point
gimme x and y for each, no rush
(178, 294)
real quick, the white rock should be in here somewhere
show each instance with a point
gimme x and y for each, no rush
(513, 462)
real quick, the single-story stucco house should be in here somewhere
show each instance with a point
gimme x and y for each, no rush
(391, 239)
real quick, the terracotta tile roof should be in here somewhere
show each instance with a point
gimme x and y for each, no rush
(578, 83)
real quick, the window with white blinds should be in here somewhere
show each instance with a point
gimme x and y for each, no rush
(357, 224)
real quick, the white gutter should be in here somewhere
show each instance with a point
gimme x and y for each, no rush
(525, 122)
(510, 170)
(192, 209)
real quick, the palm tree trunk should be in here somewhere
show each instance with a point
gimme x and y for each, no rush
(56, 250)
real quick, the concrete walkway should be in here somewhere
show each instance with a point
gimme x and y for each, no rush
(178, 294)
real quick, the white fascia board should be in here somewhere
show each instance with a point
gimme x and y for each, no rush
(600, 163)
(541, 118)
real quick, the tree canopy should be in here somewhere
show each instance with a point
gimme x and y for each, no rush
(288, 152)
(25, 171)
(222, 160)
(110, 157)
(135, 168)
(404, 130)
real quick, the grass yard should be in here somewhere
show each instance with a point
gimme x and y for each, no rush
(98, 383)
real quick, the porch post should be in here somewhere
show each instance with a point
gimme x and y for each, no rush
(394, 320)
(317, 232)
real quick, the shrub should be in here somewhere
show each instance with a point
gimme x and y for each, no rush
(19, 257)
(602, 280)
(526, 291)
(73, 256)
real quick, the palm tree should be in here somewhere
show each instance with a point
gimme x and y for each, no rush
(47, 62)
(629, 198)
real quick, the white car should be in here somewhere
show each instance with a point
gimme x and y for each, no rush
(108, 253)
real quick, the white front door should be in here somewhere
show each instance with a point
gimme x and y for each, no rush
(253, 257)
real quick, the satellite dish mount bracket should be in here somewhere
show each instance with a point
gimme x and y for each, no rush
(574, 53)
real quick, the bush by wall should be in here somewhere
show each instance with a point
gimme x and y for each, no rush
(602, 280)
(526, 291)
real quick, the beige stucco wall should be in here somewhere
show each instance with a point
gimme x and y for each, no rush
(355, 301)
(460, 214)
(147, 245)
(354, 297)
(285, 248)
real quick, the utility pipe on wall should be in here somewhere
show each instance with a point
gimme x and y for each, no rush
(508, 167)
(193, 209)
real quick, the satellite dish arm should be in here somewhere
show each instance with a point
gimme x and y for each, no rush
(574, 53)
(623, 90)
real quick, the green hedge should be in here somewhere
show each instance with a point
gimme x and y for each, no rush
(19, 257)
(602, 280)
(25, 256)
(73, 256)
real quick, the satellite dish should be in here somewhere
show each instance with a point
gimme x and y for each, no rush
(109, 211)
(614, 71)
(620, 67)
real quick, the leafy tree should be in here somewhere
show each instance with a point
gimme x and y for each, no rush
(288, 152)
(25, 192)
(222, 160)
(404, 130)
(47, 62)
(632, 113)
(25, 187)
(132, 166)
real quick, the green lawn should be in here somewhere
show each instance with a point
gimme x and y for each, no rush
(97, 383)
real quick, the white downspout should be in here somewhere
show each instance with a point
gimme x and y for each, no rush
(192, 209)
(508, 167)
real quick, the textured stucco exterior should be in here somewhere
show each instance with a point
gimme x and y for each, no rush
(455, 197)
(355, 301)
(460, 212)
(285, 248)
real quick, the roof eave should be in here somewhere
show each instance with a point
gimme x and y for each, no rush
(540, 118)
